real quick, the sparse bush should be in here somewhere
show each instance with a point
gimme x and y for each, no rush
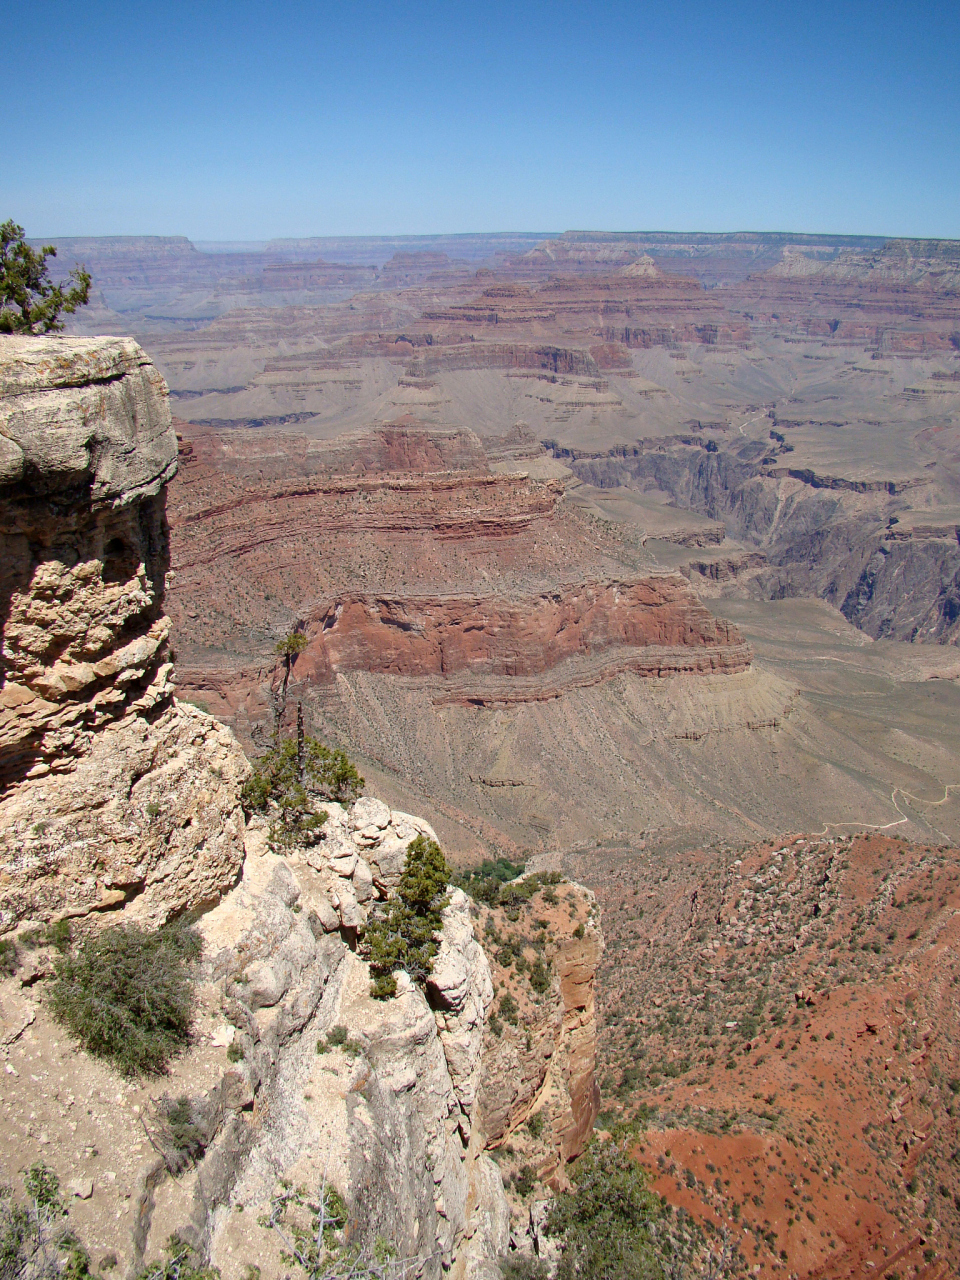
(540, 976)
(524, 1180)
(182, 1132)
(403, 935)
(182, 1262)
(9, 958)
(521, 1266)
(535, 1123)
(338, 1037)
(35, 1241)
(127, 995)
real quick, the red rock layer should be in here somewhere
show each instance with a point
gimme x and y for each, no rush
(490, 636)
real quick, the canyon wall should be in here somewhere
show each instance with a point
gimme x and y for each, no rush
(524, 637)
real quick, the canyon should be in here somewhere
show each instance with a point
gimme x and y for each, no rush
(633, 557)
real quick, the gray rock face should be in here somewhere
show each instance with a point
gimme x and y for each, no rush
(84, 411)
(389, 1119)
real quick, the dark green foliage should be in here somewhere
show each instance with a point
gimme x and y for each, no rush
(127, 995)
(605, 1222)
(337, 1036)
(9, 958)
(483, 883)
(540, 976)
(235, 1052)
(294, 776)
(29, 303)
(403, 935)
(524, 1180)
(535, 1123)
(508, 1009)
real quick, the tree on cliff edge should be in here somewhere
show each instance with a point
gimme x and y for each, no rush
(29, 302)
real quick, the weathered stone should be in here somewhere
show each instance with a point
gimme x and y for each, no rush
(236, 1088)
(369, 812)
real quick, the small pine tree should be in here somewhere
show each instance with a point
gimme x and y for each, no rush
(29, 302)
(404, 936)
(293, 774)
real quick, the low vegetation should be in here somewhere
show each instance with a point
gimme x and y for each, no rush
(501, 883)
(403, 934)
(127, 995)
(315, 1237)
(35, 1241)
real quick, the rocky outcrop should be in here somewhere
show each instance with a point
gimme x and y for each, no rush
(546, 1063)
(389, 1119)
(113, 792)
(524, 637)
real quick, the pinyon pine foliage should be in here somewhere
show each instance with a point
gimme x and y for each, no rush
(404, 934)
(29, 301)
(292, 774)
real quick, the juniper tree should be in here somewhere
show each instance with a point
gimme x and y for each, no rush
(29, 301)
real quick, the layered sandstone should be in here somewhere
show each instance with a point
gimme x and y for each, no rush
(526, 637)
(113, 793)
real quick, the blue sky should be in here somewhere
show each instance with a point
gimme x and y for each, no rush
(253, 120)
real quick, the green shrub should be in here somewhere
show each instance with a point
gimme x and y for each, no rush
(235, 1052)
(294, 776)
(127, 995)
(524, 1180)
(508, 1008)
(611, 1224)
(540, 976)
(483, 883)
(9, 958)
(403, 934)
(535, 1123)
